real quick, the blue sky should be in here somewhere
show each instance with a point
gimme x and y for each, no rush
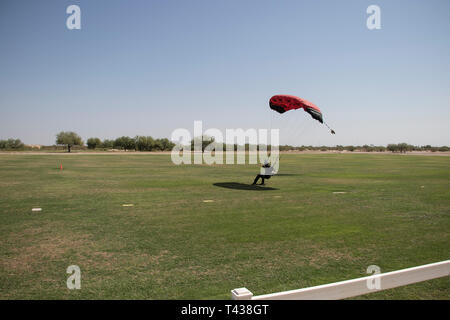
(149, 67)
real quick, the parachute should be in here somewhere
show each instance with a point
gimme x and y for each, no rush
(283, 102)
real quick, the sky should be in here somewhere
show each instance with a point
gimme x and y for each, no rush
(150, 67)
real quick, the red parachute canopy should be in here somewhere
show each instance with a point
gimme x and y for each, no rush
(283, 102)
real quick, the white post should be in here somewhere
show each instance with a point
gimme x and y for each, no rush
(354, 287)
(241, 294)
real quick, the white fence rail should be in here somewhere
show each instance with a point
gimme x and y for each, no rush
(355, 287)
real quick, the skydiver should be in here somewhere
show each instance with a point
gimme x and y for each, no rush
(268, 170)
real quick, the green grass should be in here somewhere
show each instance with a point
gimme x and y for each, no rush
(172, 245)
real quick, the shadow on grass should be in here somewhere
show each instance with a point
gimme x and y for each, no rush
(242, 186)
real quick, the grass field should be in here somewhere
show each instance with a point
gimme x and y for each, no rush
(395, 213)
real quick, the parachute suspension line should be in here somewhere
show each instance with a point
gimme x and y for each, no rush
(283, 103)
(269, 143)
(332, 131)
(290, 125)
(306, 126)
(268, 135)
(271, 121)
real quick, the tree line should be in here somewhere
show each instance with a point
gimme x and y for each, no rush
(138, 143)
(399, 147)
(70, 140)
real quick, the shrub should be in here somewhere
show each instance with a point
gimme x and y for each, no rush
(94, 143)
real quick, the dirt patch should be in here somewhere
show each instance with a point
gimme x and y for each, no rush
(39, 245)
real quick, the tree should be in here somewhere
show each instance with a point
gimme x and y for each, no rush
(166, 144)
(107, 144)
(125, 143)
(402, 147)
(93, 143)
(69, 139)
(11, 144)
(144, 143)
(204, 141)
(158, 145)
(15, 144)
(350, 148)
(392, 147)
